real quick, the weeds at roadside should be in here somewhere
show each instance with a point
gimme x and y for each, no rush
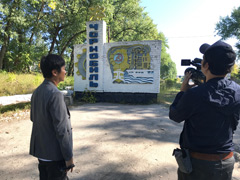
(14, 111)
(168, 92)
(12, 84)
(88, 96)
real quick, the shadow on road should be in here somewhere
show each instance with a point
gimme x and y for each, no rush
(124, 142)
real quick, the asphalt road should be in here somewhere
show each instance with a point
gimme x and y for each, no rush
(111, 142)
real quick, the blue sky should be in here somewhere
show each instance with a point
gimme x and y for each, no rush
(188, 23)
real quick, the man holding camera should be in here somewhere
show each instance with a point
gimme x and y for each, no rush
(210, 112)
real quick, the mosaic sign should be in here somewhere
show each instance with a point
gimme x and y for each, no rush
(116, 67)
(81, 64)
(131, 64)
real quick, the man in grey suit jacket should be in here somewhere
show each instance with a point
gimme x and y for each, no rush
(51, 139)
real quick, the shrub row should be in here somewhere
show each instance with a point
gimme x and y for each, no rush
(12, 84)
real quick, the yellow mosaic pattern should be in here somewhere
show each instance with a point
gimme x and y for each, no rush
(122, 58)
(80, 65)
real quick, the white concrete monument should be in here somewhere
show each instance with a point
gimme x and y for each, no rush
(119, 71)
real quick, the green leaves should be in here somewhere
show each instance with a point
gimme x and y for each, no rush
(30, 29)
(229, 26)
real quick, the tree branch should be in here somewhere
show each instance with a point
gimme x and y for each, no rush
(70, 39)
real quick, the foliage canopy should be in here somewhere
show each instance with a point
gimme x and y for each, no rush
(30, 29)
(229, 27)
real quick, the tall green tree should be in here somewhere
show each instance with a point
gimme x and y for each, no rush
(229, 26)
(9, 16)
(127, 21)
(20, 40)
(168, 67)
(30, 29)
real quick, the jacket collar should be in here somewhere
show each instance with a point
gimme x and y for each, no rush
(215, 79)
(49, 82)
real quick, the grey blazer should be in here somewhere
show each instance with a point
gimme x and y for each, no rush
(51, 131)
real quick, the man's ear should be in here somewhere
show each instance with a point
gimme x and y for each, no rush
(54, 72)
(205, 65)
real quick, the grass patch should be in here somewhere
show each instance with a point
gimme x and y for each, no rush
(12, 84)
(68, 81)
(168, 92)
(14, 112)
(14, 107)
(167, 97)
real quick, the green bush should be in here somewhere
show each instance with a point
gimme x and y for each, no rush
(69, 81)
(11, 77)
(167, 84)
(88, 96)
(38, 79)
(14, 107)
(12, 84)
(168, 90)
(170, 83)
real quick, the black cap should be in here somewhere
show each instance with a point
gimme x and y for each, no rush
(219, 56)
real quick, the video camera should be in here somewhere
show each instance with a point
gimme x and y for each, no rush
(197, 75)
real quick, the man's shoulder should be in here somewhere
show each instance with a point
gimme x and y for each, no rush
(196, 89)
(48, 86)
(47, 89)
(235, 85)
(195, 93)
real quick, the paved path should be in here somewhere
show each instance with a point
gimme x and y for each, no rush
(9, 100)
(111, 142)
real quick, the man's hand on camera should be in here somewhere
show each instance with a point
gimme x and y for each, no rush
(185, 84)
(69, 165)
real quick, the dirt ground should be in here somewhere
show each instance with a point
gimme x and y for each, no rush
(111, 142)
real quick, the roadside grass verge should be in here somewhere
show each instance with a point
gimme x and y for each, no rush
(15, 84)
(14, 112)
(168, 92)
(14, 107)
(12, 84)
(167, 97)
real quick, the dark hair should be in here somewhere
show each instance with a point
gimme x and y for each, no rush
(219, 63)
(51, 62)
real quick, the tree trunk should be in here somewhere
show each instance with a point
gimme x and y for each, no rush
(2, 54)
(69, 41)
(71, 64)
(5, 45)
(20, 50)
(57, 29)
